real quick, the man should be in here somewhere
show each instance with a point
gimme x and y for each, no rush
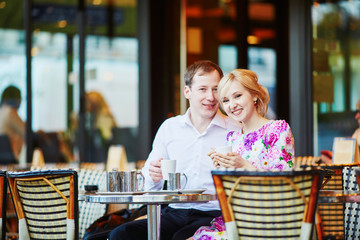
(187, 139)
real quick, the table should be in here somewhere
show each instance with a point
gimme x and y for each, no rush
(153, 202)
(339, 196)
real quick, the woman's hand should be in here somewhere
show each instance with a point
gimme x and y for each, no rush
(232, 160)
(155, 170)
(212, 154)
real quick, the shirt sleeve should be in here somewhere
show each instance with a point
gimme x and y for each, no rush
(158, 151)
(285, 145)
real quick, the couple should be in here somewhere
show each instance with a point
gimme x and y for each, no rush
(256, 143)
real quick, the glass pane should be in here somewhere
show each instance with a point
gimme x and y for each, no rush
(336, 76)
(263, 62)
(111, 85)
(111, 70)
(213, 32)
(12, 73)
(111, 79)
(54, 24)
(227, 58)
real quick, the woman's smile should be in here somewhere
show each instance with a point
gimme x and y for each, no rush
(237, 111)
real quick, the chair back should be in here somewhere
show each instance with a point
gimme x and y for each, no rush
(46, 203)
(3, 197)
(332, 215)
(38, 159)
(268, 205)
(89, 212)
(301, 161)
(351, 210)
(116, 158)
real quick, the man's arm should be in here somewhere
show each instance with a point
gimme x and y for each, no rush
(152, 168)
(16, 123)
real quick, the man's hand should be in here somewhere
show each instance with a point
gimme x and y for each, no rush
(155, 170)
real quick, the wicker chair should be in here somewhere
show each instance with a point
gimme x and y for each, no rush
(89, 212)
(332, 215)
(268, 205)
(351, 210)
(46, 203)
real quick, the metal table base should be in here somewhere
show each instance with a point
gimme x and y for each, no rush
(153, 205)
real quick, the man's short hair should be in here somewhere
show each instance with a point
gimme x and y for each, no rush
(202, 66)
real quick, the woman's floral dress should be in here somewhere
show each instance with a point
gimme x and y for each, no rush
(270, 147)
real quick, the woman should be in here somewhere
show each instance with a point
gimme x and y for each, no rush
(100, 115)
(259, 144)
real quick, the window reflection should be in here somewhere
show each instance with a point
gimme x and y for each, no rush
(111, 84)
(336, 76)
(111, 69)
(262, 61)
(12, 80)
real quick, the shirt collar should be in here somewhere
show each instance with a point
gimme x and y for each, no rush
(218, 120)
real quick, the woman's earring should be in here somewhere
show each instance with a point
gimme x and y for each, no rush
(255, 103)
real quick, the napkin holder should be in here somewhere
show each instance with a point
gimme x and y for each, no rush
(345, 151)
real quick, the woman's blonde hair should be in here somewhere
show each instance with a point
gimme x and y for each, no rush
(249, 80)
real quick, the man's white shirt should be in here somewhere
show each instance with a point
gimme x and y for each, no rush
(178, 139)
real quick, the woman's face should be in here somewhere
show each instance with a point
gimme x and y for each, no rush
(238, 103)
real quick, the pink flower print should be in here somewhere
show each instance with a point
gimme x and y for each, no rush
(268, 157)
(289, 140)
(274, 153)
(265, 164)
(286, 155)
(263, 129)
(218, 223)
(229, 135)
(249, 140)
(205, 237)
(240, 149)
(280, 126)
(270, 140)
(281, 165)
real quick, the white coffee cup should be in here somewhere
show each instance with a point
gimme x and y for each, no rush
(223, 149)
(167, 166)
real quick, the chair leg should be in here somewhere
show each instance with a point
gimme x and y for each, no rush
(319, 226)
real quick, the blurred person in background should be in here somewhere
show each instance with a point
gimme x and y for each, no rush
(99, 123)
(356, 134)
(10, 122)
(99, 115)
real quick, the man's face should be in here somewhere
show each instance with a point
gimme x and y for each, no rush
(202, 95)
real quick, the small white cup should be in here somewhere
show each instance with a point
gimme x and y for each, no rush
(167, 166)
(223, 149)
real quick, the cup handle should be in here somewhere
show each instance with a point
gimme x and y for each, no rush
(186, 180)
(142, 180)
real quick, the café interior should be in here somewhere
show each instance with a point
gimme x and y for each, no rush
(74, 59)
